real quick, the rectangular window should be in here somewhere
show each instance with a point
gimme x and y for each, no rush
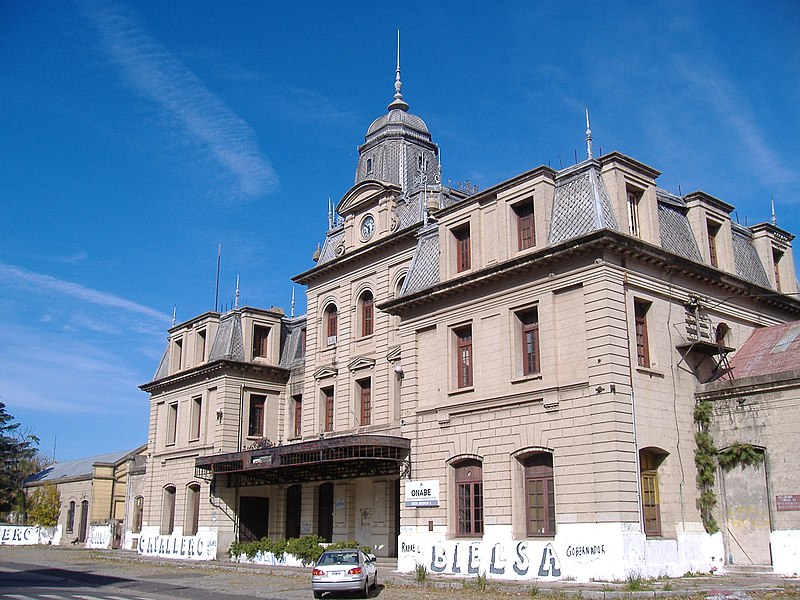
(642, 345)
(172, 422)
(138, 513)
(365, 389)
(168, 510)
(463, 258)
(776, 260)
(177, 355)
(331, 324)
(633, 212)
(256, 427)
(328, 400)
(196, 416)
(529, 328)
(713, 230)
(464, 356)
(200, 348)
(526, 235)
(260, 341)
(192, 515)
(303, 341)
(298, 415)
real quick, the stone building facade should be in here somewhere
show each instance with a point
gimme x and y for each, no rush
(499, 381)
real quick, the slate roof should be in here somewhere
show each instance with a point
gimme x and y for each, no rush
(745, 257)
(424, 269)
(291, 344)
(77, 469)
(676, 233)
(581, 204)
(768, 350)
(228, 343)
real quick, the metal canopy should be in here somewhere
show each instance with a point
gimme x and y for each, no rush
(344, 457)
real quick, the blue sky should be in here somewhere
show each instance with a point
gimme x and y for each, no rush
(136, 137)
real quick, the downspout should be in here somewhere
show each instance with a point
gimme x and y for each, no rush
(633, 402)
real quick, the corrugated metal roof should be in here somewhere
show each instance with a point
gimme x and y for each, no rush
(79, 468)
(769, 350)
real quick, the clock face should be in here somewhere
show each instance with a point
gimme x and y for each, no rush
(367, 227)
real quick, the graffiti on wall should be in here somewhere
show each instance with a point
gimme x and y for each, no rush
(202, 546)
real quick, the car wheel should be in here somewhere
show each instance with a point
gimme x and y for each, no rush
(375, 581)
(317, 594)
(365, 591)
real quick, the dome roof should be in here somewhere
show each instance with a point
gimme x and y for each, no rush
(398, 116)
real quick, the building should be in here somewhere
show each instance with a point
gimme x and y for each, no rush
(499, 381)
(94, 493)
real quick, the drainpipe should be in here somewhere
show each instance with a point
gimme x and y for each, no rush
(633, 403)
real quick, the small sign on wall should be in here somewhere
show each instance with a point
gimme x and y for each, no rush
(422, 493)
(787, 502)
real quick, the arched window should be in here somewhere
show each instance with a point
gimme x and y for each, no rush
(366, 305)
(469, 491)
(138, 514)
(168, 510)
(540, 502)
(331, 324)
(192, 509)
(71, 517)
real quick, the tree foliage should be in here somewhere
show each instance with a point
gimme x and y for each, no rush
(44, 506)
(18, 460)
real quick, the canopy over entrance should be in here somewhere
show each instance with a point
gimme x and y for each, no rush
(344, 457)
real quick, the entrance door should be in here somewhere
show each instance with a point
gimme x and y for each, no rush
(325, 512)
(84, 524)
(747, 525)
(294, 500)
(253, 518)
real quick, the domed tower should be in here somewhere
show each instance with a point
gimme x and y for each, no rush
(398, 148)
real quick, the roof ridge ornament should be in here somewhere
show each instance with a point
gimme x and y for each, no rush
(589, 153)
(774, 218)
(398, 102)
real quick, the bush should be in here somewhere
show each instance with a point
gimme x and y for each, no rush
(344, 544)
(308, 548)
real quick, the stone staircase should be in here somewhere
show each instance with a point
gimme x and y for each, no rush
(743, 569)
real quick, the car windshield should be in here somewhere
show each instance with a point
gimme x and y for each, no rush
(339, 558)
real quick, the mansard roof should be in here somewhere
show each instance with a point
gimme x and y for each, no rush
(81, 468)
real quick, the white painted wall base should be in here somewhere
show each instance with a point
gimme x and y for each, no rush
(785, 546)
(600, 552)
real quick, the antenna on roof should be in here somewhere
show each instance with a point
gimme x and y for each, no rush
(291, 312)
(216, 286)
(589, 154)
(774, 218)
(330, 213)
(398, 101)
(680, 192)
(236, 302)
(174, 313)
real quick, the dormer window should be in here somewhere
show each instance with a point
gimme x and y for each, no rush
(260, 341)
(369, 166)
(713, 230)
(776, 263)
(422, 162)
(633, 212)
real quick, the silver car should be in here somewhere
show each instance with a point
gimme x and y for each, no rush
(347, 570)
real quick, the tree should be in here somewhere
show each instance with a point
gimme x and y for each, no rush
(44, 506)
(17, 461)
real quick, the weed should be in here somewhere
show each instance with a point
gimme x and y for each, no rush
(480, 582)
(634, 582)
(533, 591)
(420, 573)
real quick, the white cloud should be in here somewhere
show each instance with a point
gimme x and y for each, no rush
(157, 74)
(15, 276)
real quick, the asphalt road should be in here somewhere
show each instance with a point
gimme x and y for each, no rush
(57, 573)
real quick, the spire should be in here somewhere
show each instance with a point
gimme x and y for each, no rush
(398, 85)
(774, 218)
(236, 302)
(330, 213)
(291, 314)
(174, 314)
(589, 154)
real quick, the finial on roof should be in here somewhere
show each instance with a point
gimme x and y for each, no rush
(236, 301)
(589, 154)
(291, 312)
(330, 213)
(174, 314)
(774, 218)
(398, 101)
